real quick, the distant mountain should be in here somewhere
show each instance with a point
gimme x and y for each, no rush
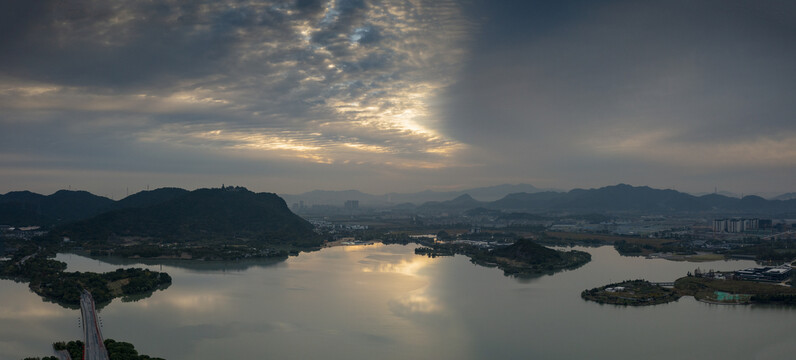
(786, 196)
(338, 198)
(200, 215)
(724, 193)
(626, 198)
(26, 208)
(457, 205)
(489, 193)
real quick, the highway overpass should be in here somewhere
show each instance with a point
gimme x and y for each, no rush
(94, 346)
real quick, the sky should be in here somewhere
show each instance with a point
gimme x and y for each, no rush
(114, 97)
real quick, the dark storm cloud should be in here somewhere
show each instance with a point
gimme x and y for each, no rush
(94, 43)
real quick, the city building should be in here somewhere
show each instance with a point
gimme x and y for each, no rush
(774, 274)
(351, 204)
(735, 225)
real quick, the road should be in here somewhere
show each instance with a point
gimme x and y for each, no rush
(63, 355)
(26, 258)
(94, 347)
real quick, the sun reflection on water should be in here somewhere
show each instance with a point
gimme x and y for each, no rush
(403, 303)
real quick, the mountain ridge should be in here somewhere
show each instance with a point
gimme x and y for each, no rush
(338, 197)
(199, 215)
(627, 198)
(22, 208)
(63, 206)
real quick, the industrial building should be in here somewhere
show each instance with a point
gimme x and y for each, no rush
(768, 273)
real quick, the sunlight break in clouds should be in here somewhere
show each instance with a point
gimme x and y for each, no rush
(340, 80)
(397, 95)
(371, 91)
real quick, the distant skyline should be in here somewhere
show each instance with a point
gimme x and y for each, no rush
(397, 96)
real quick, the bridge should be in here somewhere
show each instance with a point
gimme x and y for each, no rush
(94, 346)
(782, 234)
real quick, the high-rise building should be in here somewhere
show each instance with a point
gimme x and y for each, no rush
(735, 225)
(352, 204)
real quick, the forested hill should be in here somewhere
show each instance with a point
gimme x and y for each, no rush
(149, 198)
(626, 198)
(201, 215)
(25, 208)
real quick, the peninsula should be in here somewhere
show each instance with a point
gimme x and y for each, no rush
(716, 290)
(48, 278)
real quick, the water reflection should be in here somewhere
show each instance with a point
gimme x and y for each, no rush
(28, 325)
(197, 265)
(13, 309)
(414, 304)
(144, 295)
(197, 302)
(417, 304)
(365, 302)
(402, 266)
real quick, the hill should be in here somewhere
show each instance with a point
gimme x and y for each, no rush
(488, 193)
(149, 198)
(338, 198)
(21, 208)
(25, 208)
(457, 205)
(522, 258)
(526, 256)
(204, 217)
(639, 199)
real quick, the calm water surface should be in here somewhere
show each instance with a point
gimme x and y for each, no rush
(384, 302)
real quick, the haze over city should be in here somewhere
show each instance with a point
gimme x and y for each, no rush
(381, 96)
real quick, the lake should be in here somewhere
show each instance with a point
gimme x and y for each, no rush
(385, 302)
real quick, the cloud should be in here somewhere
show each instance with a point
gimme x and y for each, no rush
(366, 35)
(680, 84)
(398, 93)
(317, 82)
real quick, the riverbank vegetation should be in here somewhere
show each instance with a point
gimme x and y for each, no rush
(625, 245)
(631, 292)
(523, 257)
(749, 292)
(48, 278)
(209, 224)
(717, 291)
(117, 350)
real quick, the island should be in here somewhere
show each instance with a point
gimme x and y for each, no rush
(631, 292)
(714, 287)
(48, 278)
(522, 258)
